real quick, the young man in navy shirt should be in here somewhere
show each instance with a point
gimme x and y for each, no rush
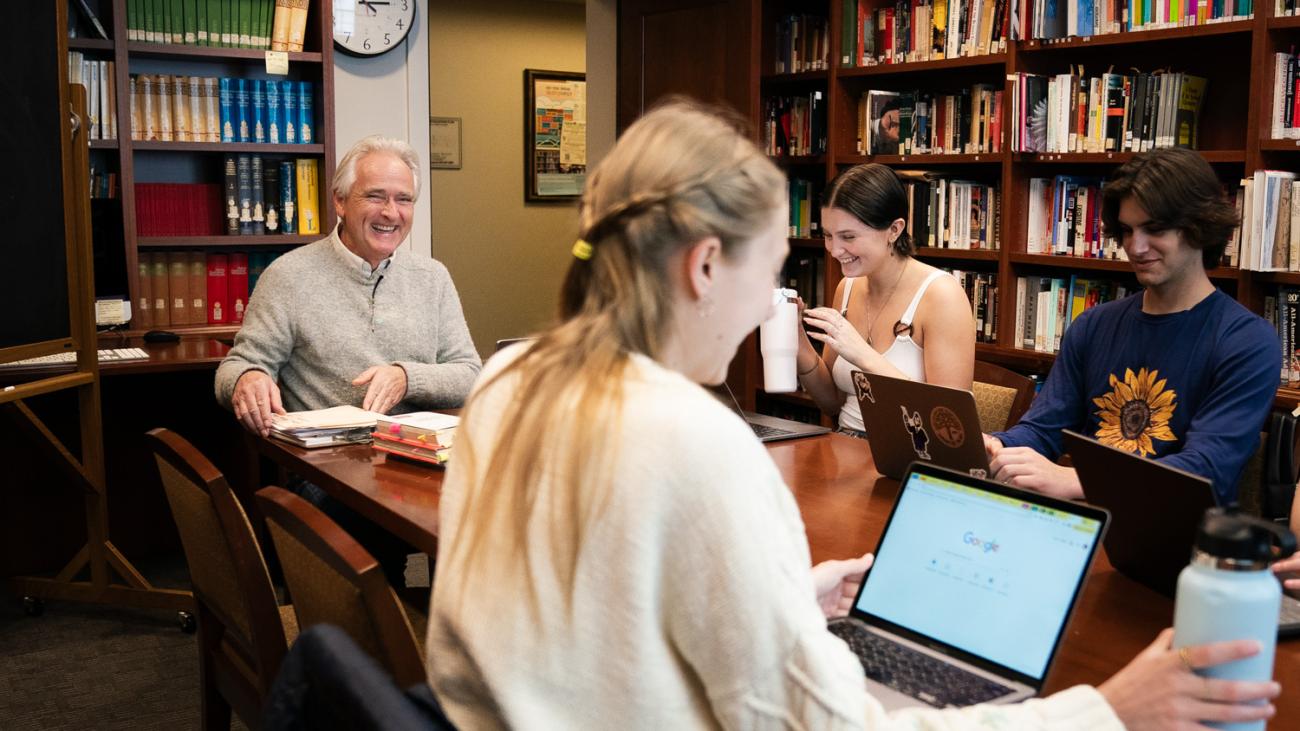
(1180, 371)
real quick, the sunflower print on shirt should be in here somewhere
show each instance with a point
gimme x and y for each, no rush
(1136, 411)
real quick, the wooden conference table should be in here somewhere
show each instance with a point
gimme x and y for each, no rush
(844, 503)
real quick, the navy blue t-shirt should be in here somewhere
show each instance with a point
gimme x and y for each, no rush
(1191, 389)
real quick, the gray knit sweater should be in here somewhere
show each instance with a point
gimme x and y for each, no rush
(319, 317)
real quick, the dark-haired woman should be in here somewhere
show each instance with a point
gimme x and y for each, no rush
(892, 315)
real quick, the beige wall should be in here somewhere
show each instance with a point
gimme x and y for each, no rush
(507, 258)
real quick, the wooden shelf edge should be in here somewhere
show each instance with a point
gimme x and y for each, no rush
(175, 50)
(938, 252)
(224, 241)
(1070, 262)
(257, 147)
(103, 144)
(982, 158)
(1285, 145)
(1139, 36)
(187, 332)
(1276, 277)
(1286, 398)
(89, 44)
(798, 159)
(795, 78)
(1284, 22)
(1114, 158)
(990, 59)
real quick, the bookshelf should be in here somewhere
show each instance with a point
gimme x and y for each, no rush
(1235, 56)
(119, 242)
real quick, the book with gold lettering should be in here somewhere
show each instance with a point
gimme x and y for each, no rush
(308, 192)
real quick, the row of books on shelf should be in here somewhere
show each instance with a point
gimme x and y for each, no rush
(949, 213)
(195, 287)
(101, 93)
(922, 30)
(259, 196)
(1065, 219)
(278, 25)
(1047, 19)
(1285, 7)
(1269, 237)
(805, 209)
(1286, 102)
(1282, 309)
(982, 291)
(207, 109)
(102, 184)
(968, 121)
(1108, 113)
(802, 43)
(1046, 306)
(795, 125)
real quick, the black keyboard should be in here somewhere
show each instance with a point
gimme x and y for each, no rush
(916, 674)
(762, 431)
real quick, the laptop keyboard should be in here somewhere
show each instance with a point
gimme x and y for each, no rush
(1290, 614)
(763, 431)
(914, 673)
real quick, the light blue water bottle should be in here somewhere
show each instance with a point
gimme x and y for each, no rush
(1228, 593)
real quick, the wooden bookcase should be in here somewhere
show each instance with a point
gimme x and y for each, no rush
(136, 161)
(1235, 57)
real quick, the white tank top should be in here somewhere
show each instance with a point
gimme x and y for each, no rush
(904, 354)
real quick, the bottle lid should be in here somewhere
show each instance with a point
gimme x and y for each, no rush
(1226, 533)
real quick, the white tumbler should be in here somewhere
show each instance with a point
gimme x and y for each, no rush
(779, 342)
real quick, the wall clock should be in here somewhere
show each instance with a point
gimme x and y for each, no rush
(371, 27)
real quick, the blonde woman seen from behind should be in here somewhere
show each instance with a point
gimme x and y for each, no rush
(616, 550)
(891, 314)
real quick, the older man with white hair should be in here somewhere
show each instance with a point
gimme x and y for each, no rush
(353, 318)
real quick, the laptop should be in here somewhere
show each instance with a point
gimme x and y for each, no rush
(909, 420)
(971, 589)
(766, 428)
(1156, 511)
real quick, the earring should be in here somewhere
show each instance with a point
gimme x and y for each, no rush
(704, 308)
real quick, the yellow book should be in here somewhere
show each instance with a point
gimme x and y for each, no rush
(280, 26)
(180, 109)
(163, 106)
(297, 23)
(308, 197)
(137, 120)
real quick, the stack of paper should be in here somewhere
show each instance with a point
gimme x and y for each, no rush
(325, 427)
(423, 436)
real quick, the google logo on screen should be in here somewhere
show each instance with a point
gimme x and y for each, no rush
(971, 539)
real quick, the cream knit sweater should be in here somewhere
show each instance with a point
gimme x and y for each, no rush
(693, 604)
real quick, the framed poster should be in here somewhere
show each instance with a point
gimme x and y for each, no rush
(555, 135)
(444, 143)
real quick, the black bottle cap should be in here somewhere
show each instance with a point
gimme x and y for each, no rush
(1226, 533)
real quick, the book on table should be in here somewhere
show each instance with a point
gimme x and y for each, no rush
(325, 427)
(424, 436)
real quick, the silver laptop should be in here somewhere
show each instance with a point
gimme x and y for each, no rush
(970, 592)
(911, 420)
(1157, 510)
(766, 428)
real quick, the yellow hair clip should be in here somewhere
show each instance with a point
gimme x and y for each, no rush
(582, 249)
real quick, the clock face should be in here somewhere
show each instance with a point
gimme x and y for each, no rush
(371, 27)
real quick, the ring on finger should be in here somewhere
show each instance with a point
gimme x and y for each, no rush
(1185, 656)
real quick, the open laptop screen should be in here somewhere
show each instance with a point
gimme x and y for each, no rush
(993, 575)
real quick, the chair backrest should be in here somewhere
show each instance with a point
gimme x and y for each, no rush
(333, 580)
(1002, 396)
(229, 576)
(327, 682)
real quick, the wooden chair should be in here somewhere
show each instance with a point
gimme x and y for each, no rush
(333, 580)
(242, 634)
(1001, 396)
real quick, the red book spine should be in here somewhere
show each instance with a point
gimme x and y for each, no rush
(237, 288)
(218, 286)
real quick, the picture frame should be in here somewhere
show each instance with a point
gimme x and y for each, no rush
(444, 143)
(555, 135)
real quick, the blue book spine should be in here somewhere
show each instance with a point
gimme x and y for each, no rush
(227, 97)
(243, 112)
(273, 114)
(289, 197)
(259, 111)
(305, 121)
(289, 106)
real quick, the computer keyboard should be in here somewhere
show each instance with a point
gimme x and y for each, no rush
(68, 356)
(763, 431)
(914, 673)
